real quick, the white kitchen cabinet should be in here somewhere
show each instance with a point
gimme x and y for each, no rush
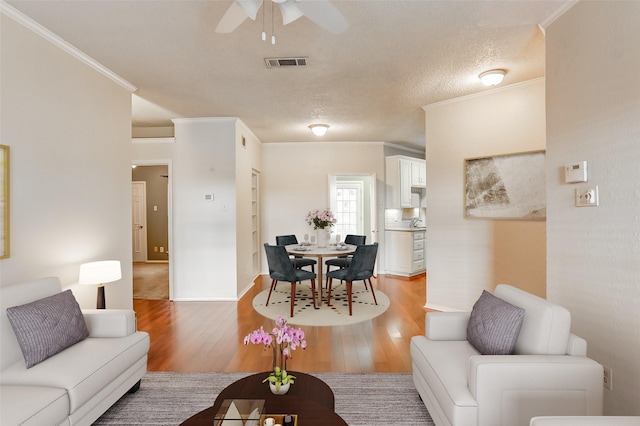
(405, 252)
(398, 180)
(418, 173)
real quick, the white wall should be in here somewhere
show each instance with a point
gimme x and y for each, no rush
(295, 180)
(593, 114)
(466, 256)
(204, 251)
(69, 129)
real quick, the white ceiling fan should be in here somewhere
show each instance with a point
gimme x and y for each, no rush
(322, 12)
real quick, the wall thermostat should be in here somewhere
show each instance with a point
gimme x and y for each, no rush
(575, 172)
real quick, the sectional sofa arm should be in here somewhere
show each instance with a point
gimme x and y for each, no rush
(446, 325)
(528, 376)
(110, 322)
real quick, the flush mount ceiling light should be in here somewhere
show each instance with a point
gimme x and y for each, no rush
(492, 77)
(319, 129)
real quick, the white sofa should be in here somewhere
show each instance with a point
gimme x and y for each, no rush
(548, 374)
(77, 385)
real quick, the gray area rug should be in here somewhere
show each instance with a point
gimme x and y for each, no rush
(360, 399)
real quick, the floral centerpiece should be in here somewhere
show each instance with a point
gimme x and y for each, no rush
(321, 219)
(284, 339)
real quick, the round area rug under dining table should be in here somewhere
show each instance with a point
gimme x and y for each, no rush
(304, 313)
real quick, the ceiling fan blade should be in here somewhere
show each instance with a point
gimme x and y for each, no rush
(251, 7)
(233, 17)
(323, 13)
(290, 12)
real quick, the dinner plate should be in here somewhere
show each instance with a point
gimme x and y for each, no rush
(300, 248)
(343, 248)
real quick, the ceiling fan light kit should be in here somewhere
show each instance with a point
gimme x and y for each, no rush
(321, 12)
(319, 129)
(492, 77)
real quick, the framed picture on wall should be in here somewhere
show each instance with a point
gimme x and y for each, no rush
(4, 201)
(511, 186)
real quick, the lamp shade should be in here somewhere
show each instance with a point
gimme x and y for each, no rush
(102, 272)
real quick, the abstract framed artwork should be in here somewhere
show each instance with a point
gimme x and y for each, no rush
(4, 201)
(511, 186)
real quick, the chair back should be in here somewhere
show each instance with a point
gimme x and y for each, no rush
(355, 240)
(363, 263)
(280, 267)
(285, 240)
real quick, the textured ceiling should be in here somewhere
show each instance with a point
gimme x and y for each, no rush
(369, 83)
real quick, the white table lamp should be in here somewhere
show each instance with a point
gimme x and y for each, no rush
(100, 273)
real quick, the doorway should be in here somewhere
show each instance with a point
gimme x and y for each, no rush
(353, 199)
(151, 225)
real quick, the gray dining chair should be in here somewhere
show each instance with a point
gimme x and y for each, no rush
(297, 261)
(281, 269)
(360, 268)
(343, 261)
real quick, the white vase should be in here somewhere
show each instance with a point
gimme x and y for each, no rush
(284, 388)
(323, 237)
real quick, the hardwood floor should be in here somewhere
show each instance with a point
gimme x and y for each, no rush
(208, 336)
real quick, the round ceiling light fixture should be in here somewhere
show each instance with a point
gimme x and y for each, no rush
(492, 77)
(319, 129)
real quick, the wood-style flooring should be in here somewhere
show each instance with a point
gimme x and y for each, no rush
(208, 336)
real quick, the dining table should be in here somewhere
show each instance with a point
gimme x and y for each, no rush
(312, 250)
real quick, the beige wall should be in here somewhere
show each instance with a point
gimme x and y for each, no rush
(466, 256)
(69, 129)
(296, 180)
(593, 114)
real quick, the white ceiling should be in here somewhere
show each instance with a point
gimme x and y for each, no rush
(369, 83)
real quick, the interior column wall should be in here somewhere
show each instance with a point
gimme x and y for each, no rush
(466, 256)
(593, 110)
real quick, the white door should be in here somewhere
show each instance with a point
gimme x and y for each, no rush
(139, 215)
(358, 193)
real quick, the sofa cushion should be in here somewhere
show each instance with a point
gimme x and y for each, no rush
(84, 368)
(494, 325)
(443, 366)
(546, 326)
(33, 405)
(47, 326)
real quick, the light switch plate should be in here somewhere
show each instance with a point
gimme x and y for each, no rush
(575, 172)
(587, 196)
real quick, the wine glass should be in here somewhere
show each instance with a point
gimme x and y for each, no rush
(337, 239)
(306, 239)
(313, 239)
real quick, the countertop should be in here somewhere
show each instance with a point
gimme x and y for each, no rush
(406, 229)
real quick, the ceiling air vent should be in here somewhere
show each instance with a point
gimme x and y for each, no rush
(285, 62)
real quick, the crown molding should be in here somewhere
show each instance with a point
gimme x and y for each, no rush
(487, 92)
(154, 140)
(32, 25)
(564, 6)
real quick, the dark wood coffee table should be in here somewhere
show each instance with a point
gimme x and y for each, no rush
(309, 397)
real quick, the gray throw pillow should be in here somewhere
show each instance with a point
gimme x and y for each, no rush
(47, 326)
(494, 325)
